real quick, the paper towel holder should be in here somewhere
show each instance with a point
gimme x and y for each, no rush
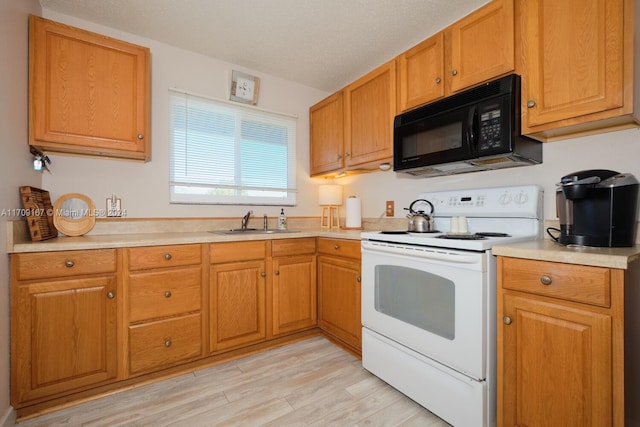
(330, 198)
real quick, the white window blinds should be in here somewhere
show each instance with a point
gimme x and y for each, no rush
(228, 153)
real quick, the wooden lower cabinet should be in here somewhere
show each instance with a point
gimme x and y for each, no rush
(63, 328)
(339, 292)
(86, 323)
(560, 344)
(294, 289)
(165, 301)
(237, 294)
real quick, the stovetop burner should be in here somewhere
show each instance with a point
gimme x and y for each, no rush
(492, 234)
(461, 236)
(408, 232)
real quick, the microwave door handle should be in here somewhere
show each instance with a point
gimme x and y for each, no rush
(472, 119)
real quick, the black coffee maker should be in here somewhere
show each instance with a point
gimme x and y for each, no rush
(597, 207)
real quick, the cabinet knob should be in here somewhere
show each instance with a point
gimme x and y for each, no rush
(277, 273)
(69, 263)
(438, 80)
(111, 295)
(358, 279)
(167, 294)
(336, 247)
(167, 343)
(167, 257)
(339, 156)
(140, 136)
(263, 274)
(347, 154)
(545, 280)
(506, 320)
(531, 103)
(454, 72)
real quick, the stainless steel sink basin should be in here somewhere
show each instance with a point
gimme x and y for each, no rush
(241, 231)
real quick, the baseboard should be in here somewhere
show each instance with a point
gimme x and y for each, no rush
(8, 419)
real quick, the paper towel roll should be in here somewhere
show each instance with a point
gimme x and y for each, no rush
(354, 213)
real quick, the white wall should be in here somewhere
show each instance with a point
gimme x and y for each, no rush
(144, 188)
(15, 160)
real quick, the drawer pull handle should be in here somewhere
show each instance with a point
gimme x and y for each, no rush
(111, 295)
(167, 257)
(69, 263)
(336, 247)
(506, 320)
(263, 274)
(167, 294)
(167, 343)
(545, 280)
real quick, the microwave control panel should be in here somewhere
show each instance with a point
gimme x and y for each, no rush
(490, 129)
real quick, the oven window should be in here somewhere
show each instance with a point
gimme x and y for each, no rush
(417, 297)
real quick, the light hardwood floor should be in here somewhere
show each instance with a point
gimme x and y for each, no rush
(307, 383)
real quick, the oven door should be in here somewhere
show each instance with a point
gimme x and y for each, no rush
(431, 300)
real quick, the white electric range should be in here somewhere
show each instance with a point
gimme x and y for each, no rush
(429, 299)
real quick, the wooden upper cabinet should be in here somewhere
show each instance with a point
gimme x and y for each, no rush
(482, 45)
(577, 64)
(370, 105)
(421, 71)
(89, 94)
(478, 48)
(326, 124)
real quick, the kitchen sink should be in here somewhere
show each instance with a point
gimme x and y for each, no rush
(253, 231)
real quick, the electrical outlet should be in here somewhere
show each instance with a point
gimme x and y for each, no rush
(389, 208)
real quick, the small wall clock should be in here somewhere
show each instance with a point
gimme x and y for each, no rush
(244, 88)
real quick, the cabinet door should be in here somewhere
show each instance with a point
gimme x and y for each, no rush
(482, 45)
(370, 105)
(326, 124)
(294, 293)
(557, 365)
(421, 72)
(572, 57)
(64, 336)
(237, 304)
(339, 299)
(89, 93)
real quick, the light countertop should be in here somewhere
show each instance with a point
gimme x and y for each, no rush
(155, 233)
(548, 250)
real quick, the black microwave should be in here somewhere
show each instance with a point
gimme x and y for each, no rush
(474, 130)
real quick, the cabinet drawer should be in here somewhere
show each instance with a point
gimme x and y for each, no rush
(165, 342)
(584, 284)
(163, 256)
(288, 247)
(341, 247)
(237, 251)
(164, 293)
(66, 263)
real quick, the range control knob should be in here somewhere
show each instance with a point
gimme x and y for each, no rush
(521, 198)
(505, 199)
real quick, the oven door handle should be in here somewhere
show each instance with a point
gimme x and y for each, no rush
(422, 253)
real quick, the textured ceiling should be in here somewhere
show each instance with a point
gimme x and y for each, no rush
(324, 44)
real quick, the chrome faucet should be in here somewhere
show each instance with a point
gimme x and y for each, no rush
(245, 220)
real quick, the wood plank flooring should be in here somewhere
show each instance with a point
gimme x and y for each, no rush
(307, 383)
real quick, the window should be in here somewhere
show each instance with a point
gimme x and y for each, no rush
(227, 153)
